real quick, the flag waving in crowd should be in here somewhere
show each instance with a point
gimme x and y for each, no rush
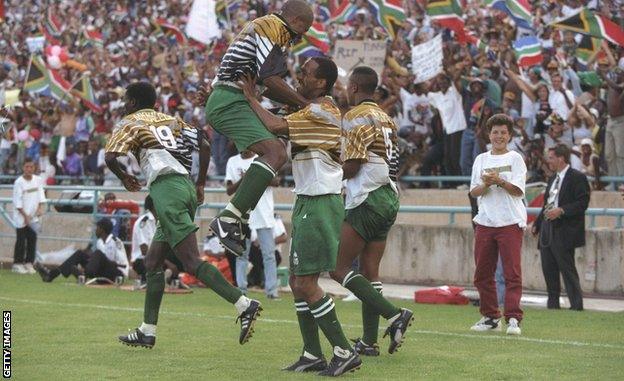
(528, 51)
(314, 43)
(586, 22)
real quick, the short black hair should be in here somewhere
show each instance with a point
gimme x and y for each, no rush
(28, 160)
(326, 70)
(106, 225)
(500, 120)
(366, 78)
(149, 203)
(143, 93)
(562, 150)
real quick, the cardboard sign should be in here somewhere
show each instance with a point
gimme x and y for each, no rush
(427, 59)
(349, 54)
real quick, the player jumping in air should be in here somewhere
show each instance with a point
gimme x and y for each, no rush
(370, 157)
(259, 50)
(163, 146)
(315, 135)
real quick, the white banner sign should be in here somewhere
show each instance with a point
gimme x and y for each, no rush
(350, 54)
(427, 59)
(202, 24)
(35, 44)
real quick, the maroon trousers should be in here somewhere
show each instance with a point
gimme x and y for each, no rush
(489, 243)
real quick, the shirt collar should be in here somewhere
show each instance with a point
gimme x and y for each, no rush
(563, 172)
(110, 237)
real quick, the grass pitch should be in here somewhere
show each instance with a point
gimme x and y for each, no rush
(62, 331)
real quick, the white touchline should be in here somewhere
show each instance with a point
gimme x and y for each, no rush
(412, 331)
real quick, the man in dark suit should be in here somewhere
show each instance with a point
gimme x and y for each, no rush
(561, 227)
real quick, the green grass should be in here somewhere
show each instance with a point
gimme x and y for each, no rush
(62, 331)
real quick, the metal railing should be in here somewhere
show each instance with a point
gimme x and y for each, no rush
(611, 180)
(93, 202)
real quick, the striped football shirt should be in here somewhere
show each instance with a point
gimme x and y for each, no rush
(161, 143)
(315, 137)
(369, 135)
(259, 49)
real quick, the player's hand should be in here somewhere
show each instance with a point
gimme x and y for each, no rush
(131, 183)
(201, 97)
(248, 85)
(27, 220)
(199, 192)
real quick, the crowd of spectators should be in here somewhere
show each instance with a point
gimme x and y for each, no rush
(562, 100)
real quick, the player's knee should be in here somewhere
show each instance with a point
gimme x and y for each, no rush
(304, 285)
(292, 282)
(275, 154)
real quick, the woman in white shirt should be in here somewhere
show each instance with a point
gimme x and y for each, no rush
(498, 182)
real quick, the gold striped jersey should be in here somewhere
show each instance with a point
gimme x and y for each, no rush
(315, 137)
(161, 143)
(369, 135)
(259, 49)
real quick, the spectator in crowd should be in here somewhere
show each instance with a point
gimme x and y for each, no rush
(261, 219)
(614, 139)
(132, 48)
(108, 260)
(561, 227)
(72, 165)
(498, 181)
(94, 163)
(590, 162)
(28, 200)
(448, 101)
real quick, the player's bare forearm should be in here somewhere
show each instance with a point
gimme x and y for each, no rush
(204, 161)
(131, 183)
(111, 162)
(279, 91)
(273, 123)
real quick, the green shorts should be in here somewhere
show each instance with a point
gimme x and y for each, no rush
(229, 113)
(373, 218)
(316, 223)
(175, 203)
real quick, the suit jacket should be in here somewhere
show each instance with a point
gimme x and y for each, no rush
(569, 229)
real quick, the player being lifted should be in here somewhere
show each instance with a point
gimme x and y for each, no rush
(258, 50)
(370, 163)
(163, 146)
(318, 213)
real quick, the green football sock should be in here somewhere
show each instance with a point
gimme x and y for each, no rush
(324, 312)
(370, 319)
(153, 296)
(212, 278)
(363, 289)
(308, 328)
(255, 182)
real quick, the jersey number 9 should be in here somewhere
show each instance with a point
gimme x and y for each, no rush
(164, 136)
